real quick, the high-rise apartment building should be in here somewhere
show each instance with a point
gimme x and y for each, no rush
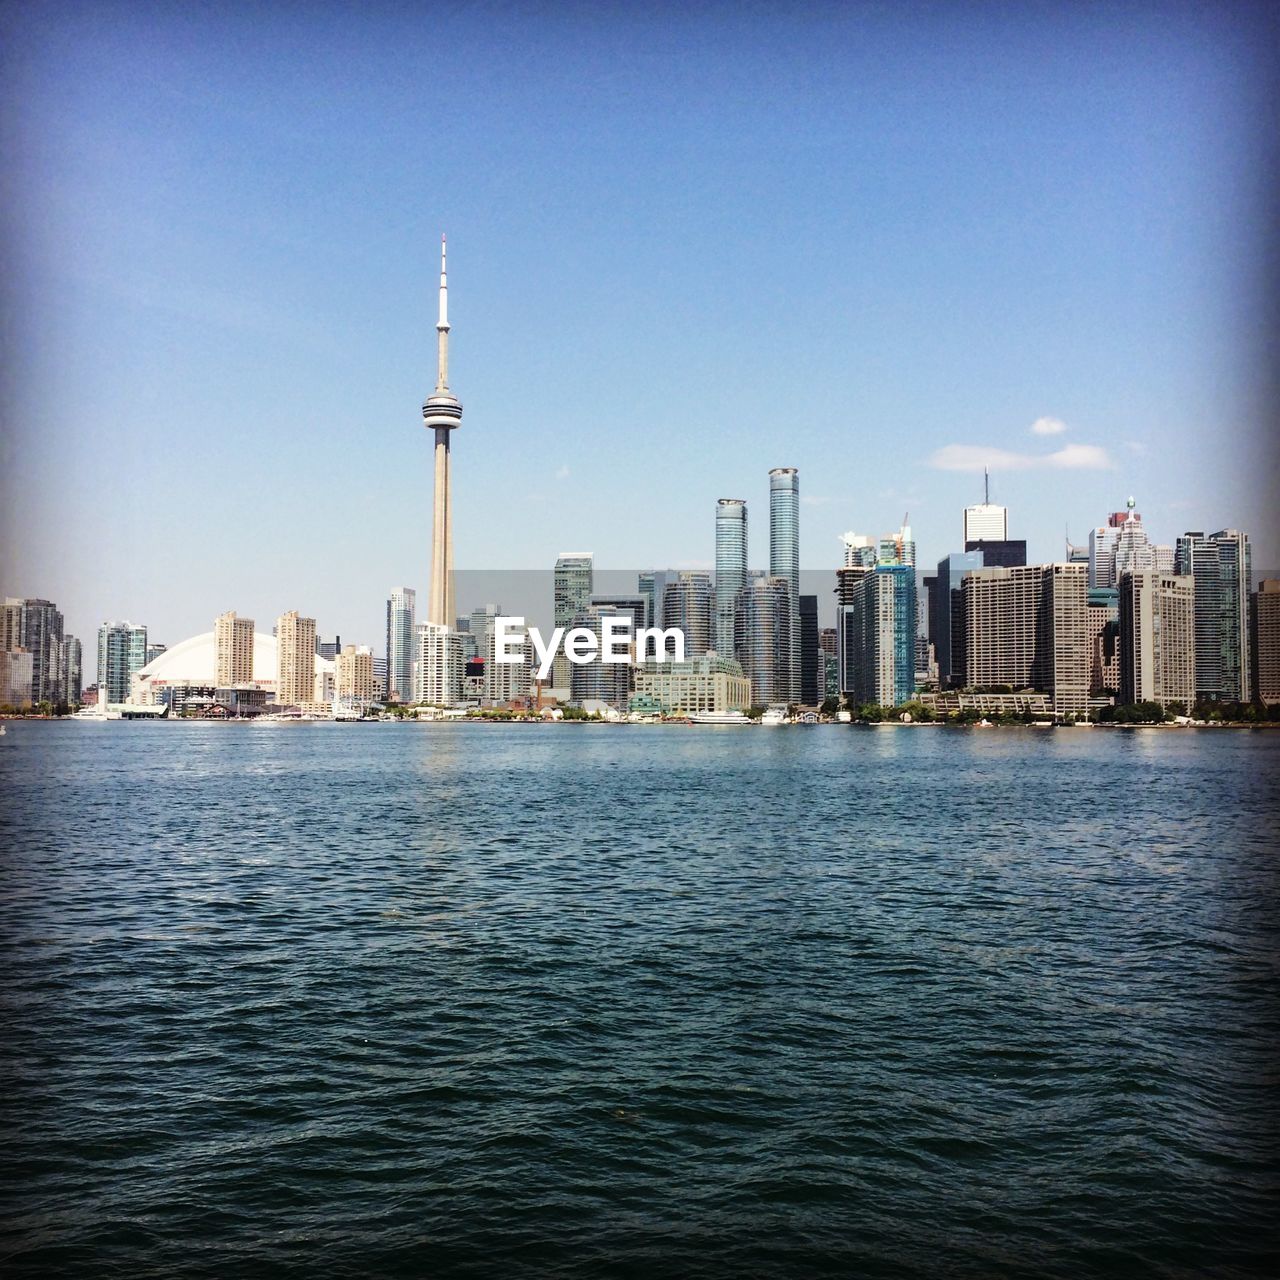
(295, 659)
(600, 681)
(401, 623)
(690, 603)
(898, 548)
(651, 584)
(353, 674)
(122, 652)
(1157, 638)
(876, 635)
(731, 567)
(860, 551)
(438, 665)
(763, 626)
(15, 678)
(574, 576)
(1221, 564)
(36, 626)
(1027, 627)
(233, 649)
(1266, 642)
(1102, 620)
(784, 558)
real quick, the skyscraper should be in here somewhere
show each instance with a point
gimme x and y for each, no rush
(574, 576)
(597, 680)
(784, 560)
(876, 635)
(731, 567)
(898, 548)
(1266, 642)
(438, 665)
(860, 551)
(946, 615)
(651, 584)
(690, 603)
(1222, 566)
(1157, 638)
(401, 608)
(985, 521)
(1027, 627)
(812, 668)
(295, 659)
(763, 624)
(36, 625)
(233, 649)
(122, 651)
(353, 673)
(442, 414)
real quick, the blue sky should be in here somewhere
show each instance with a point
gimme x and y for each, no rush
(687, 244)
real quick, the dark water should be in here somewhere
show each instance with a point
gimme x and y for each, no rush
(566, 1000)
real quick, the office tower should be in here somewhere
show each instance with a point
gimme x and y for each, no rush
(860, 551)
(574, 575)
(438, 665)
(1163, 557)
(689, 602)
(380, 678)
(1102, 621)
(353, 673)
(1009, 554)
(122, 651)
(401, 621)
(442, 414)
(64, 677)
(1102, 556)
(1266, 642)
(784, 557)
(35, 625)
(876, 637)
(476, 629)
(233, 650)
(812, 668)
(329, 649)
(946, 615)
(898, 548)
(597, 680)
(15, 678)
(1027, 627)
(295, 659)
(1157, 638)
(762, 631)
(986, 521)
(1222, 566)
(731, 567)
(154, 651)
(1077, 554)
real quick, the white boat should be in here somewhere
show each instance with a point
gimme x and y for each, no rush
(774, 715)
(718, 717)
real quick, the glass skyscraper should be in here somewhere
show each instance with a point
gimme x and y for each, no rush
(763, 624)
(122, 651)
(876, 636)
(946, 614)
(731, 567)
(401, 643)
(1222, 565)
(690, 604)
(784, 560)
(574, 577)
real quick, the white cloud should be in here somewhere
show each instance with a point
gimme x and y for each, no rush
(1048, 427)
(974, 457)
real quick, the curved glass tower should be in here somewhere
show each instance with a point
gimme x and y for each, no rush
(784, 554)
(731, 567)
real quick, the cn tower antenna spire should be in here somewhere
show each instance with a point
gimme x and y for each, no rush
(442, 325)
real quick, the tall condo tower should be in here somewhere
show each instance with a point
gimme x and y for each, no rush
(731, 567)
(784, 559)
(441, 414)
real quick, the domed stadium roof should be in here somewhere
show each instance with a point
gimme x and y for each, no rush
(195, 661)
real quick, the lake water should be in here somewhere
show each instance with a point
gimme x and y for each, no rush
(466, 1000)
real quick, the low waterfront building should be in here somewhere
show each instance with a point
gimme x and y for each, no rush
(706, 683)
(1018, 703)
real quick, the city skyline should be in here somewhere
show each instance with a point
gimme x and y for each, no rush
(1096, 320)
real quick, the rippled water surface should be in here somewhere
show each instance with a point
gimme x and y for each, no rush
(460, 1000)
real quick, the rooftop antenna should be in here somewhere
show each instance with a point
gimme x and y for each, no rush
(986, 488)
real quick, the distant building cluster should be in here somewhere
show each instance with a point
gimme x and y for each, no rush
(1122, 621)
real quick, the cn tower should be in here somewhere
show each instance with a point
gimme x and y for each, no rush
(442, 413)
